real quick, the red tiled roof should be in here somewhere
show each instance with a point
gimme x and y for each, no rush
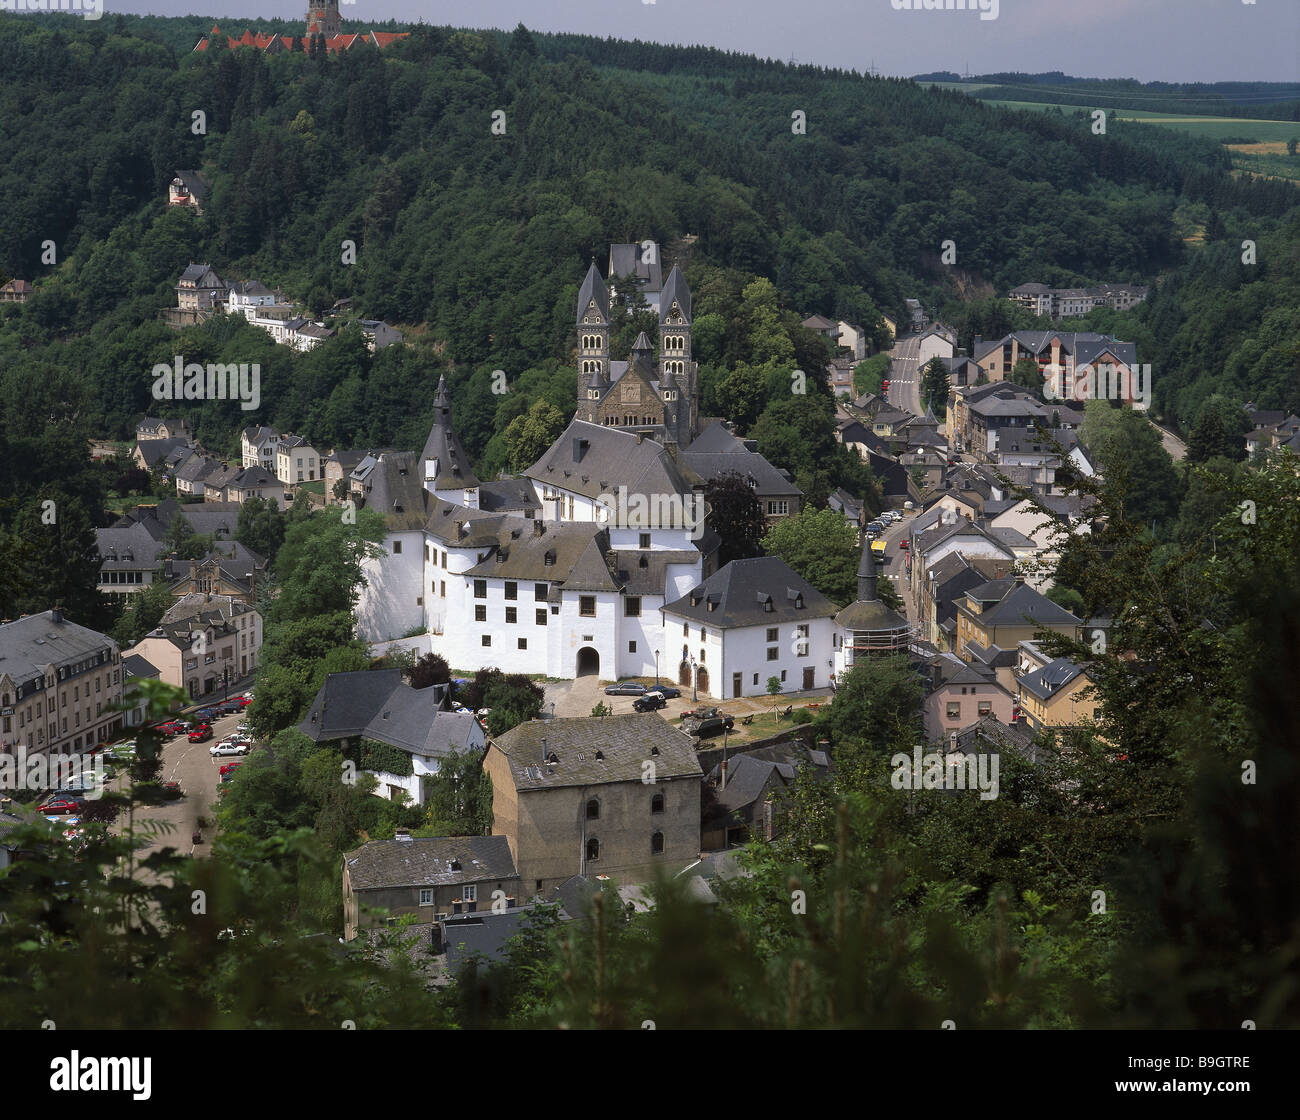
(333, 43)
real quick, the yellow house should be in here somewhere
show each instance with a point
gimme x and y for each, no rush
(1058, 695)
(997, 615)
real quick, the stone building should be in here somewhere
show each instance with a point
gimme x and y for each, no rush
(618, 796)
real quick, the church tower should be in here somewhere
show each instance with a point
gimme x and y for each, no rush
(677, 371)
(323, 18)
(593, 341)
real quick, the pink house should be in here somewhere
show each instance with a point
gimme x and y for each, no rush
(965, 697)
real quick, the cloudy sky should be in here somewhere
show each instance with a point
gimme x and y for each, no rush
(1152, 40)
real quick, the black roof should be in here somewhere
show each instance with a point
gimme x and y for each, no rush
(738, 595)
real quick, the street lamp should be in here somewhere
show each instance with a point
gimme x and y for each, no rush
(656, 668)
(694, 680)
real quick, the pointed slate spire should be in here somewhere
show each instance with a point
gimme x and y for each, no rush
(867, 574)
(593, 288)
(930, 417)
(442, 401)
(675, 290)
(642, 345)
(444, 449)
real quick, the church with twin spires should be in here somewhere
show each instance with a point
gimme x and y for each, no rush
(655, 397)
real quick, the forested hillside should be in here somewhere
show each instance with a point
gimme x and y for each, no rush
(475, 242)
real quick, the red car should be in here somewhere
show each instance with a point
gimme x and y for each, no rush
(201, 734)
(173, 727)
(903, 544)
(244, 701)
(61, 805)
(229, 767)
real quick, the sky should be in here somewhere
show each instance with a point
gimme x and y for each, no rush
(1151, 40)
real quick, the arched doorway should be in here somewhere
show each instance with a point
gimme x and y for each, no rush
(702, 681)
(684, 674)
(588, 662)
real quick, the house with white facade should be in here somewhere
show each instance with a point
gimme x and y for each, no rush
(750, 621)
(258, 447)
(380, 706)
(574, 591)
(296, 461)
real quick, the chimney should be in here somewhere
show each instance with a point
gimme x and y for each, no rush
(56, 614)
(724, 773)
(543, 750)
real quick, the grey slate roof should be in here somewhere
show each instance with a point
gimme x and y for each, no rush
(1051, 678)
(137, 666)
(594, 751)
(436, 861)
(154, 451)
(481, 934)
(507, 495)
(194, 184)
(675, 289)
(593, 288)
(577, 551)
(610, 458)
(380, 705)
(628, 259)
(989, 731)
(1086, 346)
(132, 548)
(454, 470)
(28, 644)
(1023, 604)
(739, 592)
(708, 464)
(748, 772)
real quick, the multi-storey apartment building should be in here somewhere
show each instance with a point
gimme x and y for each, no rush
(59, 683)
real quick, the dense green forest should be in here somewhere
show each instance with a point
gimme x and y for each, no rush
(476, 242)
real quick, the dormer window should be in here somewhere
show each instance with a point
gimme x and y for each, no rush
(767, 604)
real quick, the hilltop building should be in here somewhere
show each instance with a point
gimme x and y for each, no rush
(323, 20)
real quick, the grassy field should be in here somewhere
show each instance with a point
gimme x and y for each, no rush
(1213, 128)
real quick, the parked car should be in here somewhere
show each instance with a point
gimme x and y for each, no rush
(231, 707)
(243, 702)
(123, 751)
(625, 688)
(668, 692)
(172, 790)
(56, 806)
(173, 727)
(878, 547)
(903, 544)
(227, 747)
(707, 721)
(203, 715)
(200, 734)
(650, 702)
(876, 526)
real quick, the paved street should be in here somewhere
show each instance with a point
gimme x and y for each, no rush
(904, 386)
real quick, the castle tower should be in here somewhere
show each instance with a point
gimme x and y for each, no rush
(677, 371)
(447, 471)
(593, 338)
(323, 18)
